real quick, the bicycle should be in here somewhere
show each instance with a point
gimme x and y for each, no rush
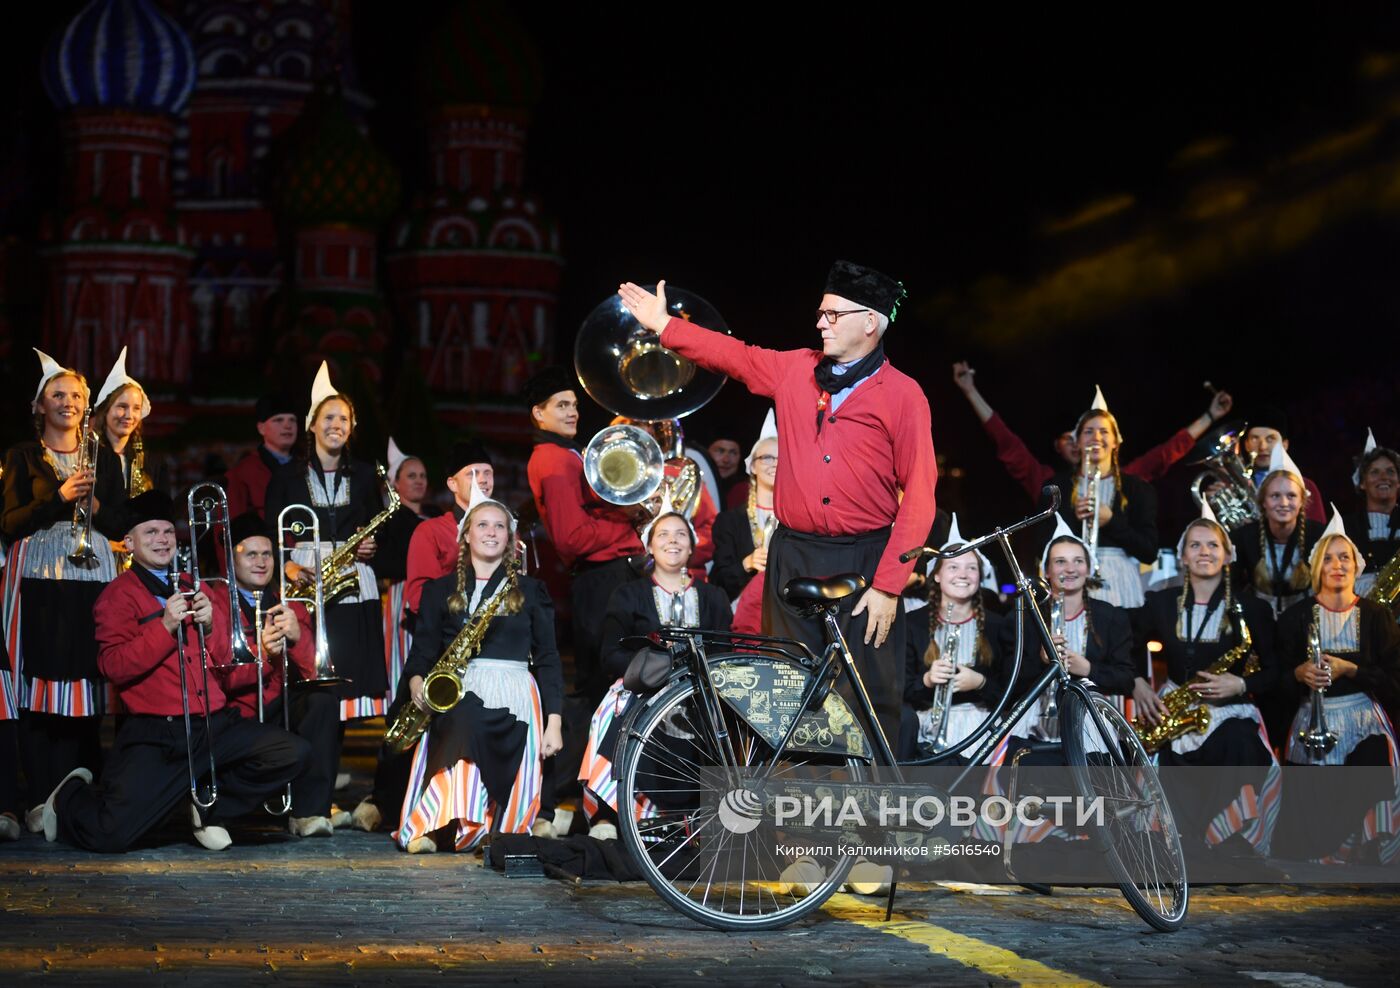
(700, 734)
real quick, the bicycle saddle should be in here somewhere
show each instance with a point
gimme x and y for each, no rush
(812, 591)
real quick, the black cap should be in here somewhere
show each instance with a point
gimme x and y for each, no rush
(549, 381)
(276, 403)
(247, 526)
(866, 286)
(466, 452)
(1270, 417)
(150, 506)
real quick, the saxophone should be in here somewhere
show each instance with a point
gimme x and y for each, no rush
(1187, 712)
(443, 685)
(1386, 590)
(338, 576)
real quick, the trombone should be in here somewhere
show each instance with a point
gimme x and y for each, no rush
(189, 595)
(314, 598)
(81, 527)
(207, 509)
(285, 806)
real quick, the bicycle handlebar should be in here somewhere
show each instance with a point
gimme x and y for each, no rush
(1049, 490)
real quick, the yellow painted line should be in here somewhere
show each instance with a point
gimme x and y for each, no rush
(985, 957)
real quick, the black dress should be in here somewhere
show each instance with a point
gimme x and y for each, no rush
(1131, 534)
(344, 503)
(1279, 595)
(918, 697)
(733, 542)
(390, 565)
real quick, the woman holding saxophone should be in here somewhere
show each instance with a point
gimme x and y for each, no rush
(1219, 654)
(477, 769)
(345, 496)
(120, 410)
(1341, 653)
(61, 490)
(953, 672)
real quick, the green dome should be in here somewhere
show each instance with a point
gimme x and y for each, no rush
(481, 53)
(331, 173)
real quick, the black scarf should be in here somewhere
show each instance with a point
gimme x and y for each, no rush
(158, 587)
(833, 383)
(554, 439)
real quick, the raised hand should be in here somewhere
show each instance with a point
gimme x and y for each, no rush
(646, 308)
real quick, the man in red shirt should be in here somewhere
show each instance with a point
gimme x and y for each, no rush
(286, 635)
(247, 481)
(144, 635)
(595, 539)
(856, 471)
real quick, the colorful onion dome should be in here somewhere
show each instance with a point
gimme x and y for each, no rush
(481, 54)
(120, 54)
(332, 173)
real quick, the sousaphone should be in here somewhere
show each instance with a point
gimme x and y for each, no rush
(624, 367)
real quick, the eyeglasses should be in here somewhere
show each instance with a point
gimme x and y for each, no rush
(831, 315)
(765, 459)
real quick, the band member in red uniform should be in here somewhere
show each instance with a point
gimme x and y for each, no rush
(432, 554)
(856, 470)
(143, 627)
(594, 538)
(277, 427)
(57, 692)
(286, 635)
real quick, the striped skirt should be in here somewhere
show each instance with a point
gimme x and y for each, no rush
(477, 769)
(1122, 579)
(47, 602)
(596, 771)
(397, 640)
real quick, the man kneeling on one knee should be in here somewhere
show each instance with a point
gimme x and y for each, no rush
(146, 627)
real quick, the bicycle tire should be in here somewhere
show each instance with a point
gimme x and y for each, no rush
(689, 829)
(1140, 840)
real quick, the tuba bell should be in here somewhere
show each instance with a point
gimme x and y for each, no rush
(1234, 503)
(625, 368)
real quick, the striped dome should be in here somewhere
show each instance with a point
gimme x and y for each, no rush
(120, 54)
(481, 53)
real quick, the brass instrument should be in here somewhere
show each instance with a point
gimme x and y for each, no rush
(312, 598)
(943, 692)
(1386, 590)
(625, 368)
(140, 481)
(1234, 503)
(1089, 528)
(1187, 711)
(1049, 708)
(206, 507)
(81, 527)
(285, 806)
(337, 570)
(444, 685)
(1316, 739)
(195, 796)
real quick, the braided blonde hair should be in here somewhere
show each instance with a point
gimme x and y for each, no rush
(1300, 576)
(1113, 470)
(458, 601)
(982, 650)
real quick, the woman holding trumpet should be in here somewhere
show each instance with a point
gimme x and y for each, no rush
(1341, 655)
(477, 769)
(60, 491)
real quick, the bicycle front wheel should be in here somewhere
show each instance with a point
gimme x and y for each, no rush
(715, 855)
(1141, 842)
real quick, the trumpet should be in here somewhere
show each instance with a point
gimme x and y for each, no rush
(1089, 529)
(943, 692)
(196, 796)
(313, 598)
(1316, 739)
(81, 527)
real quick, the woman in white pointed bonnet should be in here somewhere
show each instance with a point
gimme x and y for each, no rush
(120, 412)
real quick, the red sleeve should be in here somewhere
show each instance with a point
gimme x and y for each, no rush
(757, 369)
(748, 609)
(1317, 507)
(916, 472)
(559, 490)
(126, 648)
(1017, 458)
(422, 565)
(704, 522)
(1154, 464)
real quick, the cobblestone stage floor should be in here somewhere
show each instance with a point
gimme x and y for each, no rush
(353, 910)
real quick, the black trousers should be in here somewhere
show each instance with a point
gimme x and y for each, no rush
(9, 768)
(591, 588)
(51, 746)
(147, 777)
(315, 719)
(793, 554)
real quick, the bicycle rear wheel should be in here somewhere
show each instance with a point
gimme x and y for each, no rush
(1141, 842)
(715, 855)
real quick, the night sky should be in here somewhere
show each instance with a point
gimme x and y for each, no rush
(737, 151)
